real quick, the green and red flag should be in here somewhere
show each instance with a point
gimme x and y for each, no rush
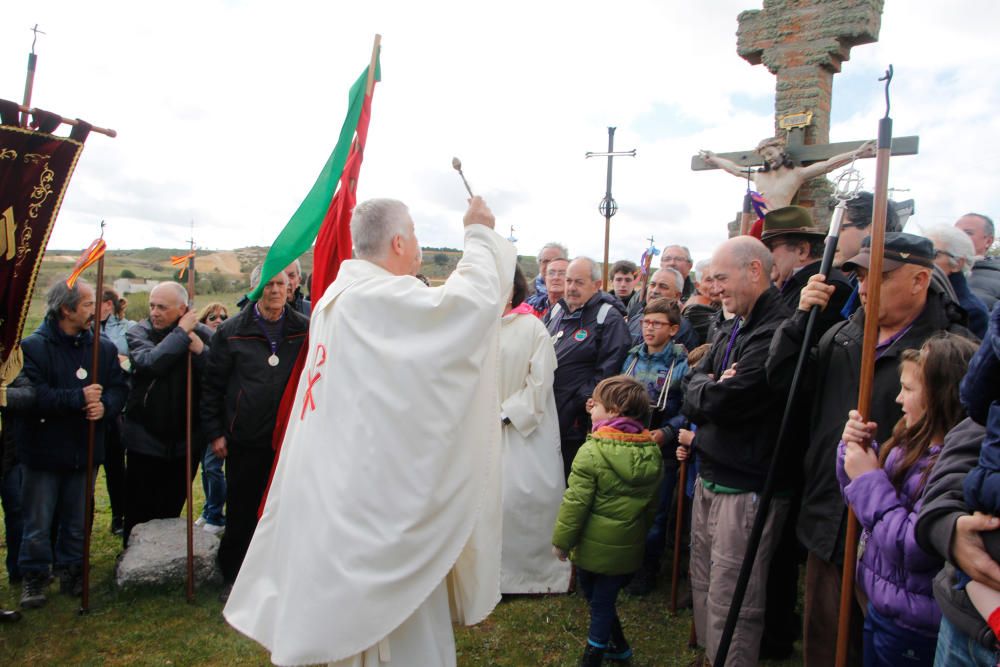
(332, 233)
(315, 210)
(35, 170)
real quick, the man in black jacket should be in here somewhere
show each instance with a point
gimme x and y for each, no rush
(591, 340)
(53, 449)
(946, 527)
(248, 367)
(154, 432)
(737, 413)
(911, 309)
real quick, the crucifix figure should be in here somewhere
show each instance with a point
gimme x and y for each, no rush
(608, 207)
(803, 44)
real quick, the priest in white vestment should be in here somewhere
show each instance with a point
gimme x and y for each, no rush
(383, 520)
(533, 481)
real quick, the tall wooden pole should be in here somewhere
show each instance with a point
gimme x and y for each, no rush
(873, 291)
(29, 79)
(675, 573)
(188, 477)
(88, 503)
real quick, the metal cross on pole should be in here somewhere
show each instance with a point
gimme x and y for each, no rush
(608, 207)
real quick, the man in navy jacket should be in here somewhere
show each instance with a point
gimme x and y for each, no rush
(53, 449)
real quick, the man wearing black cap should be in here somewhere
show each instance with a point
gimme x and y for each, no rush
(911, 310)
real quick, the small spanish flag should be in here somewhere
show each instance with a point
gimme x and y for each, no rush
(89, 257)
(182, 261)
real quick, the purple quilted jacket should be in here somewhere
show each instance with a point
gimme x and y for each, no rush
(893, 571)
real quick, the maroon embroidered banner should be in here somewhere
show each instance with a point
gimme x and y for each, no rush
(35, 168)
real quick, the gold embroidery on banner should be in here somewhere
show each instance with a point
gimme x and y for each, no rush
(35, 158)
(8, 246)
(23, 248)
(8, 154)
(41, 191)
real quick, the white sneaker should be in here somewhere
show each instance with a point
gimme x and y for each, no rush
(200, 521)
(212, 528)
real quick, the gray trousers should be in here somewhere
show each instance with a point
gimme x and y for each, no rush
(720, 529)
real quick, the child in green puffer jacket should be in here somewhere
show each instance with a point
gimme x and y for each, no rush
(608, 507)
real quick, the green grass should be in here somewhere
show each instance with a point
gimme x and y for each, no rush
(158, 627)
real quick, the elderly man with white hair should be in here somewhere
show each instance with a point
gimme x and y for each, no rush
(383, 519)
(985, 278)
(154, 431)
(955, 254)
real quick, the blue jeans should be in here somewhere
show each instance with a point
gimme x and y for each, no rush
(957, 649)
(601, 591)
(10, 498)
(45, 493)
(888, 644)
(214, 482)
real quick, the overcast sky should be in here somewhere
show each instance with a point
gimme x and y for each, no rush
(226, 111)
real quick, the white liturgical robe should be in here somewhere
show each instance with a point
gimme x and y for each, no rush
(388, 484)
(533, 481)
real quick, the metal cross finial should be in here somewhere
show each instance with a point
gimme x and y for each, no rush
(650, 239)
(103, 224)
(35, 38)
(848, 184)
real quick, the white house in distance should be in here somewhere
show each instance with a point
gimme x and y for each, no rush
(132, 285)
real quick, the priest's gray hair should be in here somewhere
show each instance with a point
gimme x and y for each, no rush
(59, 296)
(678, 278)
(701, 268)
(595, 268)
(955, 244)
(179, 292)
(375, 222)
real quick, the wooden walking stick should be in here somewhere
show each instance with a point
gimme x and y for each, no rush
(188, 477)
(848, 185)
(95, 253)
(678, 531)
(870, 341)
(646, 261)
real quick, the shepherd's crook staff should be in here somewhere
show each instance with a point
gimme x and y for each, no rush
(848, 186)
(88, 502)
(868, 345)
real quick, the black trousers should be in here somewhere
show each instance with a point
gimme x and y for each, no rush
(247, 472)
(114, 467)
(155, 488)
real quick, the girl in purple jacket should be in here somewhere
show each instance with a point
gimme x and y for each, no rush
(884, 485)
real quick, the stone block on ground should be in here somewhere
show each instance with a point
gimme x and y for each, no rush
(157, 556)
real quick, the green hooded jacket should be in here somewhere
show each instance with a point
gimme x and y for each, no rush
(610, 501)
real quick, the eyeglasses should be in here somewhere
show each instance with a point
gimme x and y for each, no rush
(655, 324)
(212, 318)
(555, 274)
(674, 258)
(945, 253)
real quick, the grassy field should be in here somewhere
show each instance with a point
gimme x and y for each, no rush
(159, 627)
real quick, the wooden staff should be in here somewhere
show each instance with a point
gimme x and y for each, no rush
(678, 530)
(88, 512)
(646, 266)
(867, 377)
(188, 478)
(69, 121)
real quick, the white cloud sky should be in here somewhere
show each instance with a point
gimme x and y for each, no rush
(227, 110)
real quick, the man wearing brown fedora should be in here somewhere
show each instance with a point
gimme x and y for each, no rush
(797, 248)
(796, 245)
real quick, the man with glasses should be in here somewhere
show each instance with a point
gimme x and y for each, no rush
(665, 283)
(985, 277)
(954, 254)
(678, 257)
(540, 300)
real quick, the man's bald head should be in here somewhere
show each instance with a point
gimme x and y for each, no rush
(665, 284)
(167, 302)
(742, 270)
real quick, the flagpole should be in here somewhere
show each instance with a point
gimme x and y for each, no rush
(29, 79)
(88, 512)
(370, 85)
(188, 478)
(868, 345)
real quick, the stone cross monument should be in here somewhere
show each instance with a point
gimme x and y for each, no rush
(803, 43)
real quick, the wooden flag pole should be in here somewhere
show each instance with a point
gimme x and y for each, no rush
(188, 477)
(873, 289)
(88, 502)
(678, 531)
